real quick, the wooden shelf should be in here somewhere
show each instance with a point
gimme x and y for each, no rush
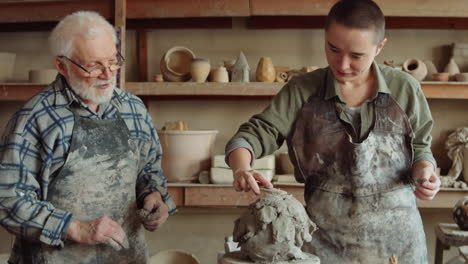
(23, 91)
(214, 195)
(203, 89)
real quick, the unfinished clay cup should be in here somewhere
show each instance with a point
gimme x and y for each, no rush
(175, 64)
(462, 77)
(415, 68)
(460, 213)
(7, 64)
(220, 75)
(42, 76)
(199, 69)
(440, 77)
(266, 70)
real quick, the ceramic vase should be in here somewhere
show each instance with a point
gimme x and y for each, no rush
(416, 68)
(460, 213)
(220, 75)
(431, 69)
(452, 69)
(199, 69)
(266, 70)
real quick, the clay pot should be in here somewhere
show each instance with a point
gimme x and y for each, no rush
(440, 77)
(199, 69)
(220, 75)
(266, 70)
(462, 77)
(158, 78)
(7, 64)
(416, 68)
(460, 213)
(175, 64)
(43, 76)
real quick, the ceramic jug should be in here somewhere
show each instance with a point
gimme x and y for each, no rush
(266, 70)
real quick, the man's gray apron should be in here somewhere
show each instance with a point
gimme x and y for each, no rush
(98, 179)
(360, 195)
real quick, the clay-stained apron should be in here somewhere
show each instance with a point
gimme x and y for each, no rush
(360, 195)
(98, 179)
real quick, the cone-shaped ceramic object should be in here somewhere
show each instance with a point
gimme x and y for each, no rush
(241, 70)
(452, 69)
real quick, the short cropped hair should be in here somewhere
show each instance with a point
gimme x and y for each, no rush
(87, 24)
(360, 14)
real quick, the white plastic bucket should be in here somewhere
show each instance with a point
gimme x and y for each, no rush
(7, 65)
(186, 153)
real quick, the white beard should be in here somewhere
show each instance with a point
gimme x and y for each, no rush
(87, 93)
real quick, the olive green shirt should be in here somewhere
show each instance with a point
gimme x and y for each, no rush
(265, 132)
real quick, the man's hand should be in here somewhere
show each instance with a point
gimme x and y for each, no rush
(246, 180)
(427, 182)
(158, 211)
(100, 230)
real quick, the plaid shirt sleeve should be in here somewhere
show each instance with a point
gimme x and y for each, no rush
(23, 212)
(150, 178)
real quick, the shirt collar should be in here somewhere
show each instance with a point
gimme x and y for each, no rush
(332, 83)
(64, 95)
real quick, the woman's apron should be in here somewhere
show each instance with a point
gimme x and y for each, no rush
(360, 195)
(98, 179)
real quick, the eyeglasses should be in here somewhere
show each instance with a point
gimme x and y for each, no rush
(97, 70)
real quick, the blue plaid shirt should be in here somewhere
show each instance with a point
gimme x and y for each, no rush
(34, 148)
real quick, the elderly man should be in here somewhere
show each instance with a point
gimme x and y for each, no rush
(81, 157)
(359, 136)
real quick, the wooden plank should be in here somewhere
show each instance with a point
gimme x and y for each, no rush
(446, 198)
(314, 22)
(120, 13)
(142, 55)
(180, 23)
(445, 90)
(19, 91)
(177, 194)
(39, 11)
(187, 8)
(402, 8)
(203, 89)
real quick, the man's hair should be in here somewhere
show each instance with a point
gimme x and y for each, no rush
(86, 24)
(360, 14)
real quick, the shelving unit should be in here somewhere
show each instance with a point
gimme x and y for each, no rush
(23, 91)
(213, 195)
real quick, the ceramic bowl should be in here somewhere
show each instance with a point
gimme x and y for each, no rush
(441, 77)
(462, 77)
(175, 64)
(173, 256)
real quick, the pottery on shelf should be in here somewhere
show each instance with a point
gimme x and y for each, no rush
(415, 68)
(241, 70)
(220, 75)
(431, 69)
(462, 77)
(200, 69)
(175, 64)
(440, 77)
(266, 70)
(158, 77)
(7, 64)
(452, 69)
(42, 76)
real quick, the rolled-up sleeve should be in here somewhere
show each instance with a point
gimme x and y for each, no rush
(22, 212)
